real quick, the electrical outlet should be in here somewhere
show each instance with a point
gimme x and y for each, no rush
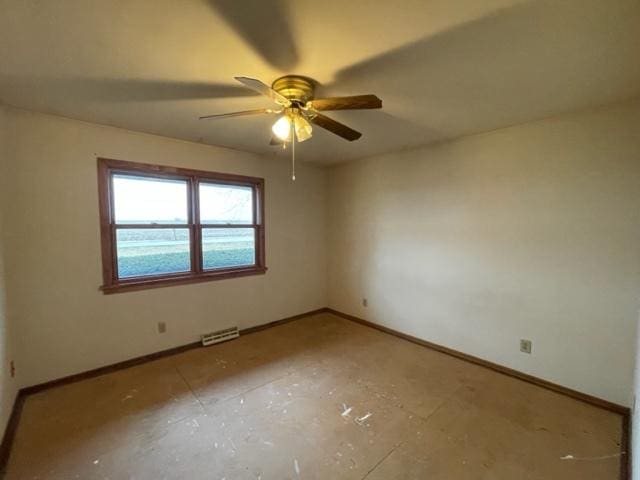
(525, 346)
(365, 302)
(12, 368)
(162, 327)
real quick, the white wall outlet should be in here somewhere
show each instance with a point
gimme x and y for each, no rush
(162, 327)
(365, 302)
(525, 346)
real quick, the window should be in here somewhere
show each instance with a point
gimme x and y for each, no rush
(163, 225)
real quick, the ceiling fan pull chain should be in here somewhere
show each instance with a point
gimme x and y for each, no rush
(293, 154)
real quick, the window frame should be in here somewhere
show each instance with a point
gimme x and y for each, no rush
(108, 228)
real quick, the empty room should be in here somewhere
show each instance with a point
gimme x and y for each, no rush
(351, 240)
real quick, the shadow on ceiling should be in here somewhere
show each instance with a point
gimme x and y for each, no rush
(128, 90)
(265, 25)
(498, 60)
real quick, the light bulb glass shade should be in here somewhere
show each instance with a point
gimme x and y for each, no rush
(302, 127)
(282, 128)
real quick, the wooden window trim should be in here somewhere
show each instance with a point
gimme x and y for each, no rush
(111, 284)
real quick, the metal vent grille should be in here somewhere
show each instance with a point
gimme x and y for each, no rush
(220, 336)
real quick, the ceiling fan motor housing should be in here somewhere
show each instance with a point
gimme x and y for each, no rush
(296, 88)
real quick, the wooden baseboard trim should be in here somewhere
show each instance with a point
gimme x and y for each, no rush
(625, 446)
(259, 328)
(96, 372)
(150, 357)
(12, 425)
(625, 412)
(598, 402)
(10, 431)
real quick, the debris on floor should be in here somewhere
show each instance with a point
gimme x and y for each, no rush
(129, 395)
(602, 457)
(243, 441)
(360, 421)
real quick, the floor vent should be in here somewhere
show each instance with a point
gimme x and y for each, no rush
(220, 336)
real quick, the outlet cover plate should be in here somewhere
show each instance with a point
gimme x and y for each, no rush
(525, 346)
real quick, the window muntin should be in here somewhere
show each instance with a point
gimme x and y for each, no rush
(163, 225)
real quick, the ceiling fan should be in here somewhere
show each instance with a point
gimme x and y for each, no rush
(298, 109)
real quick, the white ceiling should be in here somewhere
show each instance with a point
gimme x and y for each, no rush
(443, 68)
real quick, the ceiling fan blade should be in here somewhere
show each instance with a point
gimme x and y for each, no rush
(264, 89)
(275, 141)
(355, 102)
(240, 114)
(335, 127)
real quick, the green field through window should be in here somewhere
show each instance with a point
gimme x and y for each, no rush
(144, 252)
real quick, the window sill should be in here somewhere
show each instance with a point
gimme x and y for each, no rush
(147, 283)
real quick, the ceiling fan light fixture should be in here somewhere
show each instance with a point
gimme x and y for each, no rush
(302, 127)
(282, 128)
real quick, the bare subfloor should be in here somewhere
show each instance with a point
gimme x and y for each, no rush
(319, 398)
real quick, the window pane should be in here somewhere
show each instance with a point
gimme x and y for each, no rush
(228, 247)
(149, 200)
(225, 204)
(152, 251)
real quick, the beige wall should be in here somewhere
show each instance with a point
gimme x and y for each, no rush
(8, 386)
(527, 232)
(65, 325)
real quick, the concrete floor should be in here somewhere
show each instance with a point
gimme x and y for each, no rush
(319, 398)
